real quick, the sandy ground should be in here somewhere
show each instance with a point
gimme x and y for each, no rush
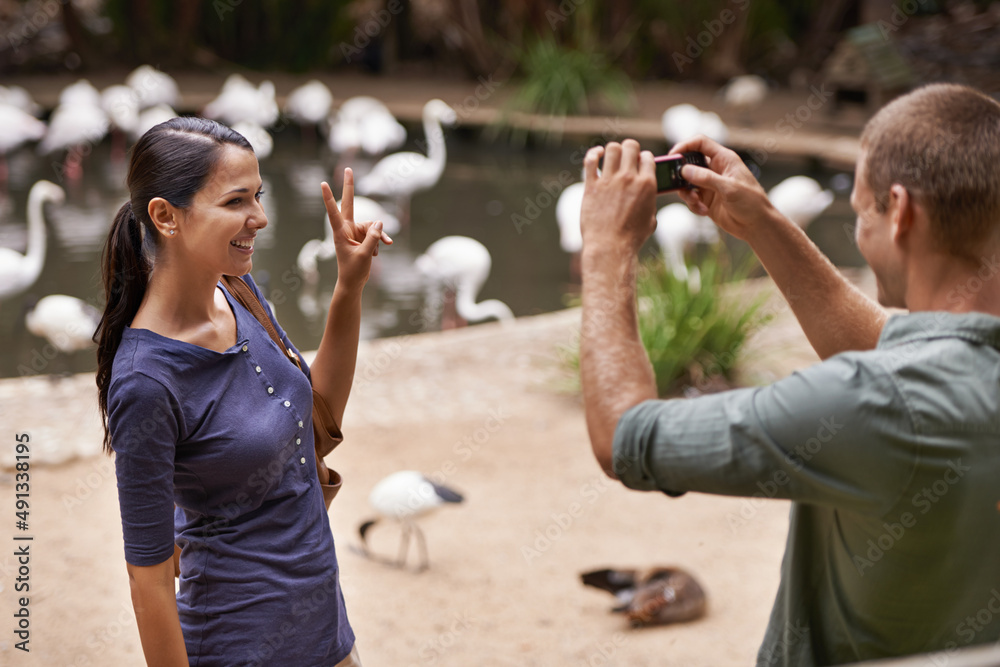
(481, 408)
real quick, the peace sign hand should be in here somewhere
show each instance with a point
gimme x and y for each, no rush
(355, 242)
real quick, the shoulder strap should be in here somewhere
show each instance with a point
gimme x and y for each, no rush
(242, 293)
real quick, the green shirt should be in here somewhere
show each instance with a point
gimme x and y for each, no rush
(892, 459)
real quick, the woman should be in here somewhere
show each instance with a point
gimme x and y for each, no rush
(205, 413)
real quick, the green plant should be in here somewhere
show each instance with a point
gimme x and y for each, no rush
(691, 335)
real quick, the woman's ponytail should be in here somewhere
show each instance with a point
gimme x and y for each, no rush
(125, 270)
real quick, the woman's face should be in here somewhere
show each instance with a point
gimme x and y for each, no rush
(217, 230)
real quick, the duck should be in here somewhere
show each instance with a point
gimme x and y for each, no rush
(404, 497)
(654, 596)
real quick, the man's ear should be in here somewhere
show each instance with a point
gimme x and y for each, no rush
(902, 213)
(164, 216)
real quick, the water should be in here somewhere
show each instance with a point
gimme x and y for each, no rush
(483, 185)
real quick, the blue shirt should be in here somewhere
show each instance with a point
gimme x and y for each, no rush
(892, 459)
(227, 437)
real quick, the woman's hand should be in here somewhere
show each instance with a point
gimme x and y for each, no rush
(356, 243)
(726, 192)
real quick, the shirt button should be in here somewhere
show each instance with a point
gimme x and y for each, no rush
(287, 404)
(302, 460)
(298, 441)
(300, 423)
(258, 369)
(270, 390)
(245, 348)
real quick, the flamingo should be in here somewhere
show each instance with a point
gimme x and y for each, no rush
(309, 105)
(239, 101)
(568, 209)
(16, 127)
(19, 272)
(800, 199)
(405, 496)
(66, 322)
(676, 228)
(684, 121)
(16, 96)
(259, 138)
(401, 175)
(121, 104)
(365, 123)
(461, 265)
(745, 93)
(365, 209)
(77, 121)
(151, 117)
(153, 87)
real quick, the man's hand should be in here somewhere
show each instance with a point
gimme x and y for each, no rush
(619, 204)
(727, 192)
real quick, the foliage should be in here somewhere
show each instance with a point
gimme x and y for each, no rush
(691, 335)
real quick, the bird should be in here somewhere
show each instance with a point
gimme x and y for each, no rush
(239, 100)
(260, 140)
(676, 229)
(77, 122)
(121, 104)
(744, 93)
(683, 121)
(656, 596)
(64, 321)
(309, 105)
(365, 123)
(16, 96)
(365, 209)
(16, 128)
(19, 272)
(800, 199)
(568, 209)
(153, 87)
(400, 175)
(405, 496)
(459, 265)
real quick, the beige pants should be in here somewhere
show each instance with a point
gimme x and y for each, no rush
(352, 660)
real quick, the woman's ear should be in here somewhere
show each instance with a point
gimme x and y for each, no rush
(164, 216)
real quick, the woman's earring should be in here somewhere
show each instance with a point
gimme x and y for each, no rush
(172, 231)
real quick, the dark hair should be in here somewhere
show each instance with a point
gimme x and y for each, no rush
(173, 160)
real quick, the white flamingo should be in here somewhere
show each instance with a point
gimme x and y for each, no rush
(260, 139)
(568, 209)
(365, 123)
(405, 496)
(400, 175)
(309, 105)
(153, 87)
(66, 322)
(800, 199)
(314, 250)
(684, 121)
(19, 272)
(78, 121)
(677, 228)
(16, 127)
(121, 104)
(16, 96)
(460, 265)
(239, 101)
(745, 93)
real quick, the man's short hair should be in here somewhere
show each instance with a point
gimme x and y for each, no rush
(942, 143)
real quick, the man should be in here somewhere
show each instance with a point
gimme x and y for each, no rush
(889, 448)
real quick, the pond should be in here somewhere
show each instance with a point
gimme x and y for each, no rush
(483, 186)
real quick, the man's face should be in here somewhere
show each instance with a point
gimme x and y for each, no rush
(873, 233)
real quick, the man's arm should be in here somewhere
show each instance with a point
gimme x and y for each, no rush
(616, 219)
(833, 313)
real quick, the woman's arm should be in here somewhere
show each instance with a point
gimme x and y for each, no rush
(356, 243)
(155, 605)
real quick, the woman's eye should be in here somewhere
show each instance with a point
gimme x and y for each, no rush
(233, 201)
(259, 195)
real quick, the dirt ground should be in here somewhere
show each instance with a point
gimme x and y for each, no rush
(481, 409)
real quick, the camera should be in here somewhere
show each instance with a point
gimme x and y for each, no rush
(668, 169)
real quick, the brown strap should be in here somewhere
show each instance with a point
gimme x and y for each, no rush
(242, 293)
